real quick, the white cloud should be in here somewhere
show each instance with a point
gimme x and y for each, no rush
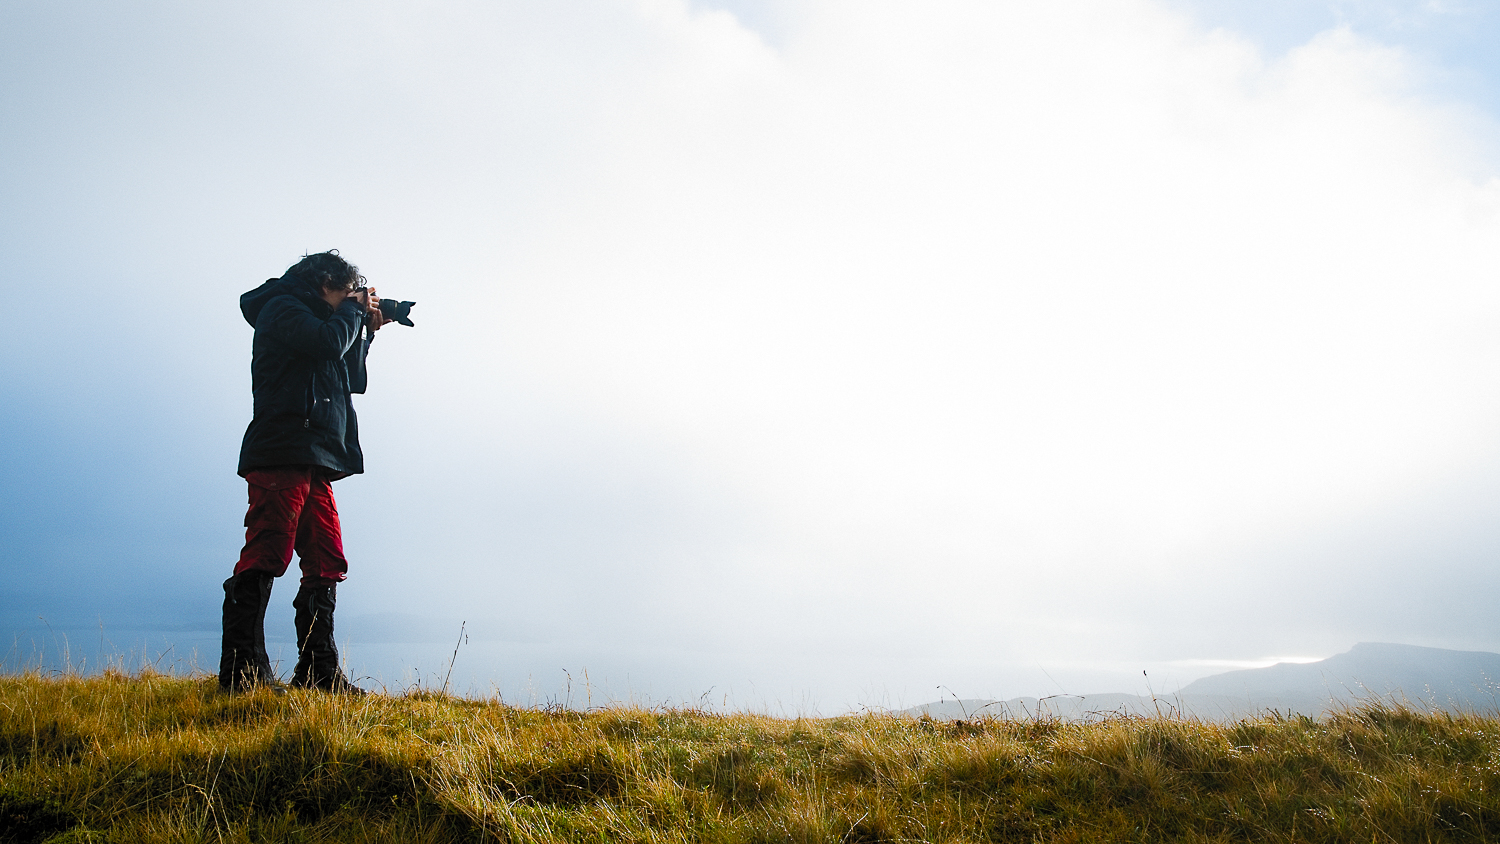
(1031, 284)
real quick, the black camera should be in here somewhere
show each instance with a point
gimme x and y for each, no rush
(397, 311)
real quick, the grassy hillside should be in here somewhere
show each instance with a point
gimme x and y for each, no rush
(157, 758)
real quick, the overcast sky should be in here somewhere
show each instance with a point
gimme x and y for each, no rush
(807, 355)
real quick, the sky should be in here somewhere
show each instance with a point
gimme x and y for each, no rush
(800, 357)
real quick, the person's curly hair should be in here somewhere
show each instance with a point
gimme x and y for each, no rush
(326, 271)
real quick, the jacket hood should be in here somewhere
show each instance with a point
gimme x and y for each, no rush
(252, 302)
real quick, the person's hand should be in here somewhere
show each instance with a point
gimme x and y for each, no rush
(374, 315)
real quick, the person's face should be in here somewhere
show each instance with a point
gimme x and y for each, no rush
(336, 296)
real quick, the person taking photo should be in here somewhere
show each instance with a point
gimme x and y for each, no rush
(313, 329)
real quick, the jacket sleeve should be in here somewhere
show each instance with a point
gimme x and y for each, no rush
(354, 360)
(291, 322)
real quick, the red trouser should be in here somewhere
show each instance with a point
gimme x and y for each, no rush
(291, 507)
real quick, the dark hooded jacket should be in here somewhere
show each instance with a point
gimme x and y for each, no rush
(306, 360)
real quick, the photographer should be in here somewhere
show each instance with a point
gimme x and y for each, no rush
(313, 329)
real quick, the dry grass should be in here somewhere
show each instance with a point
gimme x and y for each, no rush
(155, 758)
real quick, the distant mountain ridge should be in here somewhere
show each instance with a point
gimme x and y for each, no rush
(1423, 678)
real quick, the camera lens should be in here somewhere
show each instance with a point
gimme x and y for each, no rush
(397, 311)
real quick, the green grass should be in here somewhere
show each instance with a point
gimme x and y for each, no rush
(157, 758)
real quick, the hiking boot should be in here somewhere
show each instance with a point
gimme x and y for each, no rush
(243, 661)
(317, 656)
